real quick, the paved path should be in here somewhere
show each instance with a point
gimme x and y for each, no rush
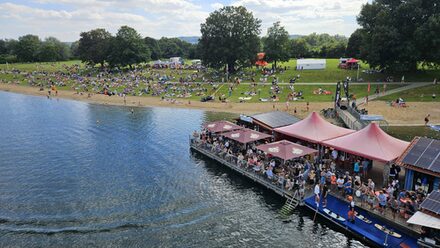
(397, 90)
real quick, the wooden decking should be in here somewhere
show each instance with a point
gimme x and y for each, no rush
(292, 198)
(250, 174)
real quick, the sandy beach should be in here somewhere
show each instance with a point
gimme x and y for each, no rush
(413, 115)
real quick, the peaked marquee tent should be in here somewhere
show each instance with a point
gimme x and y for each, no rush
(371, 142)
(286, 150)
(313, 129)
(246, 135)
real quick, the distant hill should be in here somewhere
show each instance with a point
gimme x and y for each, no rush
(190, 39)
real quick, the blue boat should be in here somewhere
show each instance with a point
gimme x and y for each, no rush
(365, 229)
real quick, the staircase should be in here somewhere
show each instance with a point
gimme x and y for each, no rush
(291, 204)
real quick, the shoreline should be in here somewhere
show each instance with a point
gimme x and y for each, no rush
(411, 116)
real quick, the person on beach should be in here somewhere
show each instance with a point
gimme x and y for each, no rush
(427, 119)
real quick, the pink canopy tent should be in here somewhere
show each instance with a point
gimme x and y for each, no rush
(371, 142)
(352, 60)
(246, 135)
(221, 126)
(313, 129)
(286, 150)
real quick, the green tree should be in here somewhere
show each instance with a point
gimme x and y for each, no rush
(354, 44)
(153, 45)
(53, 50)
(128, 48)
(276, 44)
(27, 48)
(400, 34)
(299, 48)
(170, 47)
(93, 47)
(74, 50)
(229, 37)
(3, 47)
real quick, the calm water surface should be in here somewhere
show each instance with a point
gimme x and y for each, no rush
(78, 174)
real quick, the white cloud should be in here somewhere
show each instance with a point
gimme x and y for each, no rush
(65, 19)
(306, 16)
(217, 6)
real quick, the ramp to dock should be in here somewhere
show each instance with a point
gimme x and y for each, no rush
(352, 118)
(360, 228)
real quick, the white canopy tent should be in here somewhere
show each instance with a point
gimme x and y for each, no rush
(310, 64)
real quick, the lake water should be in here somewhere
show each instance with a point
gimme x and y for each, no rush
(78, 174)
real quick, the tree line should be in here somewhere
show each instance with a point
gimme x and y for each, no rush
(394, 35)
(30, 48)
(398, 35)
(97, 46)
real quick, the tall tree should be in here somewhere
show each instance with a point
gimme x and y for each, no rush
(153, 45)
(170, 47)
(93, 47)
(400, 34)
(3, 47)
(276, 44)
(27, 48)
(53, 50)
(128, 48)
(299, 48)
(229, 37)
(74, 51)
(354, 44)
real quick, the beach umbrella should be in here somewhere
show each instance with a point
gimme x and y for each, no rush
(286, 150)
(221, 126)
(246, 135)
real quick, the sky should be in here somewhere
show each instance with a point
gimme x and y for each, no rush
(66, 19)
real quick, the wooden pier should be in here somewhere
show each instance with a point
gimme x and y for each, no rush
(293, 198)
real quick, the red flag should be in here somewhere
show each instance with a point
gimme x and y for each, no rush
(369, 87)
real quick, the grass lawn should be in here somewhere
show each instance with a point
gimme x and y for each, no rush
(422, 94)
(359, 91)
(41, 66)
(331, 74)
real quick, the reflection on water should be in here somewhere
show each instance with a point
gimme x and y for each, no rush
(77, 174)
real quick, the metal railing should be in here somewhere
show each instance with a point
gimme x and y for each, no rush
(257, 173)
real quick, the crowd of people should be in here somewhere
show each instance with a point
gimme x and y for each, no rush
(354, 185)
(324, 172)
(137, 82)
(288, 175)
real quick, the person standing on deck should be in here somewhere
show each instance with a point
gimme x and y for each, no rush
(356, 167)
(351, 212)
(325, 191)
(317, 192)
(365, 167)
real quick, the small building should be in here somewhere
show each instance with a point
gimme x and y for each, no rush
(428, 217)
(176, 60)
(421, 161)
(310, 64)
(267, 122)
(196, 62)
